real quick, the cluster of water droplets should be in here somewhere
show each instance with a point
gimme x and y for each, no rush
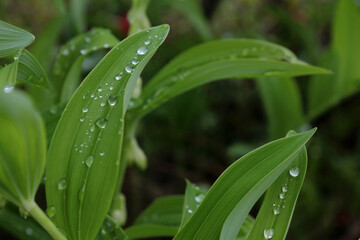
(278, 205)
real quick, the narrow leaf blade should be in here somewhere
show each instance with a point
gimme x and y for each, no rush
(84, 155)
(12, 39)
(229, 200)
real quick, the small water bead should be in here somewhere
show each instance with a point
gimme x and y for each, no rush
(23, 213)
(100, 90)
(142, 50)
(8, 88)
(106, 45)
(51, 211)
(268, 233)
(147, 42)
(29, 231)
(101, 122)
(118, 76)
(276, 210)
(282, 195)
(62, 184)
(129, 69)
(111, 88)
(16, 57)
(134, 62)
(113, 99)
(294, 172)
(83, 51)
(82, 119)
(102, 104)
(89, 161)
(92, 129)
(65, 52)
(199, 198)
(190, 211)
(82, 193)
(85, 110)
(284, 189)
(102, 153)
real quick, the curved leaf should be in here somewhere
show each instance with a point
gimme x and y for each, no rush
(282, 102)
(229, 200)
(30, 70)
(8, 76)
(220, 59)
(278, 205)
(22, 148)
(83, 44)
(84, 154)
(12, 39)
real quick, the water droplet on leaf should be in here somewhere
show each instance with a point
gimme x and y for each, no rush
(268, 233)
(142, 50)
(62, 184)
(112, 100)
(294, 172)
(101, 122)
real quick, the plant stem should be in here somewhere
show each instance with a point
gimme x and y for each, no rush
(46, 223)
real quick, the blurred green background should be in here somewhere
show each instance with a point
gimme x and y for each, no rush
(197, 135)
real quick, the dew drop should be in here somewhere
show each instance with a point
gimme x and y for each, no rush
(102, 104)
(134, 62)
(276, 210)
(29, 231)
(83, 51)
(199, 198)
(129, 69)
(118, 76)
(101, 122)
(9, 88)
(85, 110)
(147, 42)
(190, 211)
(100, 89)
(16, 57)
(112, 100)
(111, 88)
(92, 129)
(23, 213)
(268, 233)
(51, 211)
(284, 189)
(294, 172)
(102, 153)
(106, 45)
(82, 119)
(82, 193)
(65, 52)
(89, 161)
(282, 195)
(142, 50)
(62, 184)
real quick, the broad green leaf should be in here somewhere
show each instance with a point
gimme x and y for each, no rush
(278, 205)
(137, 16)
(343, 57)
(111, 231)
(8, 76)
(30, 70)
(193, 197)
(229, 200)
(83, 44)
(84, 154)
(163, 211)
(24, 229)
(12, 39)
(217, 60)
(22, 148)
(150, 230)
(282, 102)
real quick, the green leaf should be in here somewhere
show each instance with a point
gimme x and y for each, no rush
(161, 218)
(246, 228)
(24, 229)
(343, 58)
(163, 211)
(83, 44)
(220, 59)
(278, 205)
(193, 197)
(111, 231)
(230, 199)
(78, 14)
(22, 148)
(8, 76)
(12, 39)
(84, 154)
(282, 102)
(150, 230)
(30, 70)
